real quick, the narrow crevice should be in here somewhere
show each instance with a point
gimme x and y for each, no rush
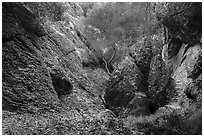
(183, 59)
(103, 101)
(152, 107)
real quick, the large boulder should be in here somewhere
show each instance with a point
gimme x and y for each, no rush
(159, 83)
(125, 87)
(188, 77)
(141, 52)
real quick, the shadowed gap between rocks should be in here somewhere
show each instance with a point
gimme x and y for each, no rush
(61, 86)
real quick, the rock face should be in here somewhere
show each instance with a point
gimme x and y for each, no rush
(26, 82)
(44, 78)
(194, 65)
(25, 79)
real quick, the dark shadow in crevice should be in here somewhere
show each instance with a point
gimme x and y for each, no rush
(152, 107)
(183, 59)
(61, 85)
(164, 97)
(174, 47)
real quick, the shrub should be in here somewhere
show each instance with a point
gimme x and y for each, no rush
(120, 20)
(168, 122)
(117, 26)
